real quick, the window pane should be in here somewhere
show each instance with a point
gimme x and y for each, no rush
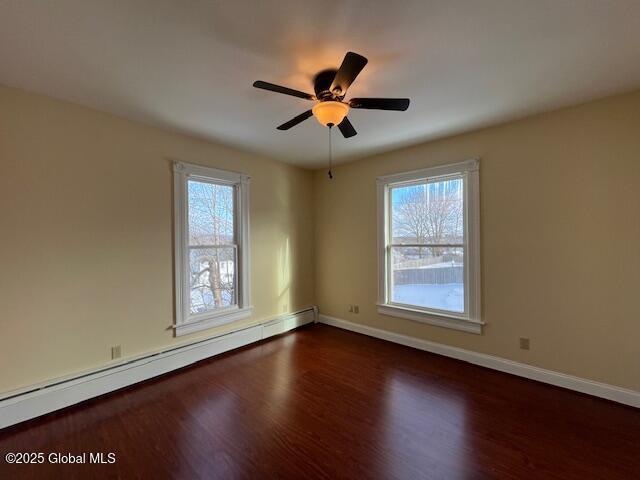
(428, 277)
(211, 213)
(428, 213)
(212, 278)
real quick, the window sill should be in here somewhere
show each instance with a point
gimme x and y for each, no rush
(432, 318)
(215, 319)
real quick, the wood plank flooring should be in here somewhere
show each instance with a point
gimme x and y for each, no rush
(325, 403)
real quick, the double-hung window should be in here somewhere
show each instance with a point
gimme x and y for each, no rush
(211, 247)
(429, 246)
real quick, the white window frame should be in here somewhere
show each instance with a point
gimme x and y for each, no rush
(469, 321)
(185, 322)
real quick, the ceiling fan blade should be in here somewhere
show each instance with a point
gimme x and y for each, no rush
(295, 120)
(279, 89)
(351, 66)
(346, 128)
(400, 104)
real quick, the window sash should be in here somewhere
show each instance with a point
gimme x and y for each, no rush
(388, 220)
(188, 248)
(390, 283)
(235, 303)
(211, 181)
(390, 245)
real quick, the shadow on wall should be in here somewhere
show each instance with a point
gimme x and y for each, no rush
(283, 280)
(282, 219)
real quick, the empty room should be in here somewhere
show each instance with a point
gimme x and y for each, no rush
(347, 239)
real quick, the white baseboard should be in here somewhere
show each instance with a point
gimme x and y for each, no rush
(603, 390)
(57, 394)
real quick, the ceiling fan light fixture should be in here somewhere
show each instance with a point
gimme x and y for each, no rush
(330, 87)
(330, 112)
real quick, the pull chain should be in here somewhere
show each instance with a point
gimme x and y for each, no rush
(330, 154)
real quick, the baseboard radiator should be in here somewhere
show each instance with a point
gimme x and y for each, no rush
(31, 402)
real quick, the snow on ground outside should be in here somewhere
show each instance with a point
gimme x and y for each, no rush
(449, 296)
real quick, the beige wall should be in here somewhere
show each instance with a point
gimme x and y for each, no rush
(560, 229)
(86, 254)
(86, 236)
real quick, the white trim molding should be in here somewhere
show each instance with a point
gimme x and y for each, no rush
(570, 382)
(185, 322)
(440, 320)
(213, 319)
(40, 399)
(470, 319)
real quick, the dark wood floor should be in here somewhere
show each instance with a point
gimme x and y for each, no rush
(325, 403)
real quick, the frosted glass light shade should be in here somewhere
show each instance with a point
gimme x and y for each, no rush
(330, 112)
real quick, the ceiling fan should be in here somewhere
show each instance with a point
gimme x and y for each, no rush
(330, 87)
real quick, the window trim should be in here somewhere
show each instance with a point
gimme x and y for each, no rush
(471, 321)
(186, 323)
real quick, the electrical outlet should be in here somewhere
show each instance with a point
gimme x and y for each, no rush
(116, 352)
(356, 309)
(350, 310)
(285, 308)
(524, 343)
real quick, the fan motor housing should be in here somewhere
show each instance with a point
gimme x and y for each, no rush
(322, 85)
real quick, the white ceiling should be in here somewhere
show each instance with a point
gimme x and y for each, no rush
(189, 64)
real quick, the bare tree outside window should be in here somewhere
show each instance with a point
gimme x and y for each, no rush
(212, 247)
(429, 213)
